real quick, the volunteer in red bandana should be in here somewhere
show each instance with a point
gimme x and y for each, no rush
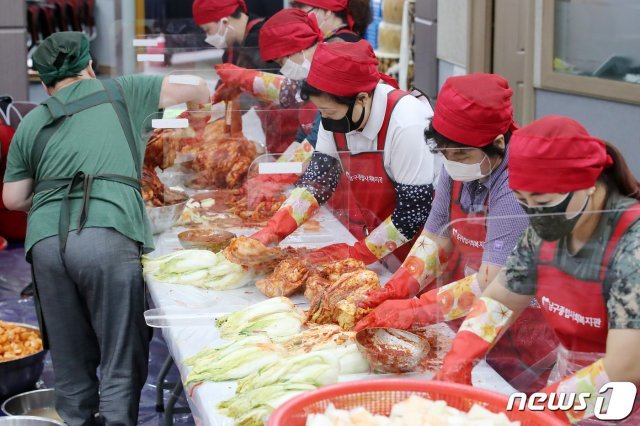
(344, 19)
(474, 224)
(578, 258)
(289, 39)
(373, 133)
(229, 26)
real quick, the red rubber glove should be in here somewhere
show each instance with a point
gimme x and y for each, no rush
(402, 285)
(401, 314)
(488, 317)
(341, 251)
(278, 228)
(467, 350)
(225, 93)
(235, 80)
(446, 303)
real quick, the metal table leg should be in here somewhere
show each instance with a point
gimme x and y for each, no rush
(170, 408)
(177, 390)
(160, 383)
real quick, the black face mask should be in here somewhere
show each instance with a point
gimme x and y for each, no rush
(345, 124)
(551, 223)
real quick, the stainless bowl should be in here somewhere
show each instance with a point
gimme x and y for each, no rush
(39, 403)
(163, 218)
(389, 350)
(28, 421)
(20, 375)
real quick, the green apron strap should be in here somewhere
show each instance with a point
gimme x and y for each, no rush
(40, 143)
(59, 112)
(55, 107)
(65, 209)
(114, 90)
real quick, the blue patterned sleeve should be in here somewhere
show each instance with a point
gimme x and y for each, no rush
(413, 204)
(321, 177)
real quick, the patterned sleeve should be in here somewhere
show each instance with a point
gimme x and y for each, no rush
(521, 266)
(413, 205)
(290, 93)
(321, 177)
(438, 220)
(623, 282)
(503, 234)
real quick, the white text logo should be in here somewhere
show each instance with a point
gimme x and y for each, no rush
(620, 401)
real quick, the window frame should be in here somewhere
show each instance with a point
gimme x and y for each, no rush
(612, 90)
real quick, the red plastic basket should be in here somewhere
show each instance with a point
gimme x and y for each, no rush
(379, 396)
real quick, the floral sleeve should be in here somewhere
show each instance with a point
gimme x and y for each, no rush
(290, 93)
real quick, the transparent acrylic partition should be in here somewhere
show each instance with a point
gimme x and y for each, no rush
(577, 283)
(219, 158)
(155, 54)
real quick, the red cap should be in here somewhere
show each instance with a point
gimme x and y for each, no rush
(205, 11)
(332, 5)
(555, 155)
(344, 69)
(287, 32)
(473, 109)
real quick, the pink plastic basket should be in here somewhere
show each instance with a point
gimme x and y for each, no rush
(379, 396)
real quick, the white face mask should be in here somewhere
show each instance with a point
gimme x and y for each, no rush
(463, 172)
(217, 40)
(294, 71)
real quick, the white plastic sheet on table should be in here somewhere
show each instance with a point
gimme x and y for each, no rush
(186, 342)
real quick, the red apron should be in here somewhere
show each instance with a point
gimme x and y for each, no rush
(525, 355)
(365, 196)
(468, 232)
(581, 323)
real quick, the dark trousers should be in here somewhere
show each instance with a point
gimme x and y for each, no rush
(93, 299)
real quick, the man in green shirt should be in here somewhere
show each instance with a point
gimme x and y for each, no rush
(75, 165)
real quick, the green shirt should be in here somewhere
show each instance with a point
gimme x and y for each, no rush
(622, 279)
(91, 141)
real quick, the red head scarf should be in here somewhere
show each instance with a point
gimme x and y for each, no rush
(345, 69)
(555, 155)
(206, 11)
(332, 5)
(474, 109)
(287, 32)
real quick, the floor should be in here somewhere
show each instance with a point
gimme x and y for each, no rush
(15, 275)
